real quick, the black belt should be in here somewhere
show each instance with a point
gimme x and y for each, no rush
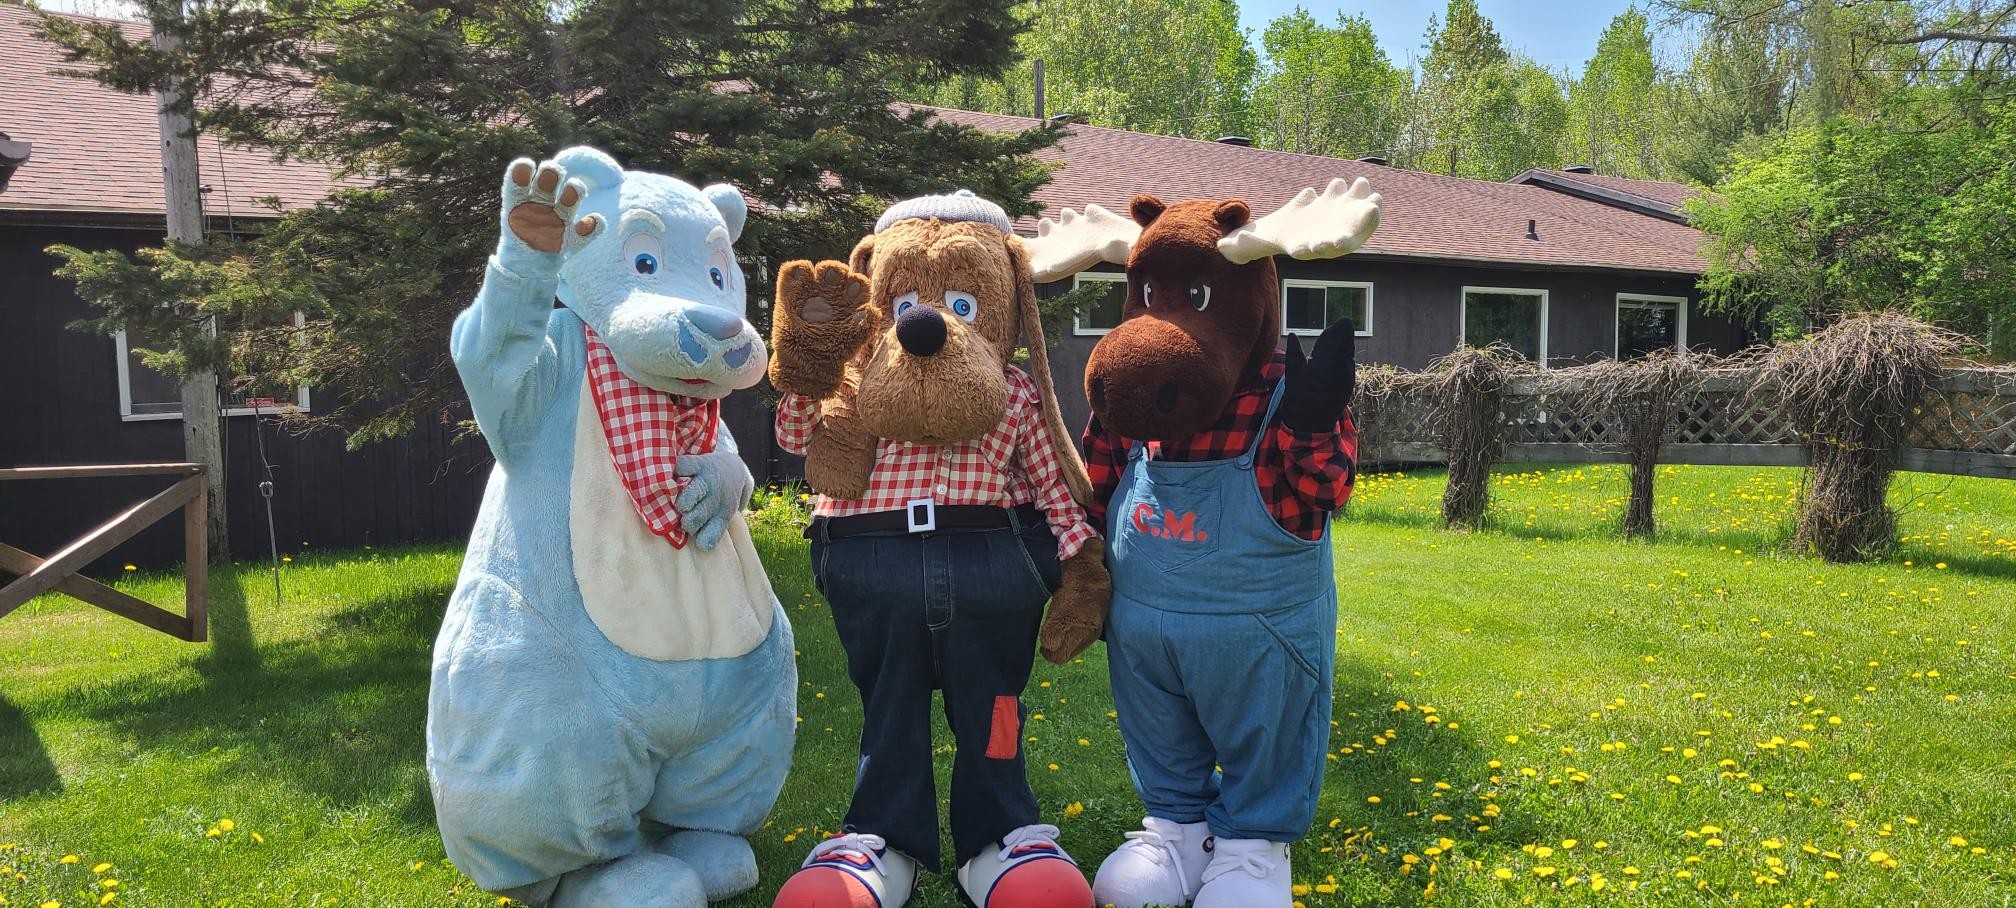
(925, 517)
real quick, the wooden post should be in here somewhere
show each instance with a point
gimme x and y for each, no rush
(181, 178)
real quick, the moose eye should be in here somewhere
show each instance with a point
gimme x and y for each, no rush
(646, 263)
(720, 281)
(1200, 295)
(1146, 292)
(962, 304)
(902, 302)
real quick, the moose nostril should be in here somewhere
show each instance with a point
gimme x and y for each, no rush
(1165, 397)
(921, 331)
(1098, 394)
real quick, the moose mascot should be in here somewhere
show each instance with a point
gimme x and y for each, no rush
(1217, 459)
(950, 510)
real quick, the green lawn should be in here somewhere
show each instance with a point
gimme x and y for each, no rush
(1523, 714)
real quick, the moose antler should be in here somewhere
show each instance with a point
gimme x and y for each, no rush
(1074, 242)
(1311, 226)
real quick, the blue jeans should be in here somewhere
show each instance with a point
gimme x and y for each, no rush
(1182, 713)
(958, 611)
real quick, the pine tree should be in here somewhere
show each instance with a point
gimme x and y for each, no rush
(420, 105)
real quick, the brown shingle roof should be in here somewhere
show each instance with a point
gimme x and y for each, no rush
(1426, 215)
(1661, 191)
(97, 151)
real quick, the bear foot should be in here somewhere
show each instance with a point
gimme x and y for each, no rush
(725, 863)
(645, 880)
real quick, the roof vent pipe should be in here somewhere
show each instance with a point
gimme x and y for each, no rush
(1578, 168)
(1241, 141)
(1532, 229)
(13, 154)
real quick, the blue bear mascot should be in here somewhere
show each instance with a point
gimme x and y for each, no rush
(613, 700)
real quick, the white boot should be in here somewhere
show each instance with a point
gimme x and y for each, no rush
(1246, 873)
(850, 871)
(1026, 869)
(1160, 864)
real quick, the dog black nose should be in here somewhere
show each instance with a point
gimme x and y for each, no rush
(921, 330)
(1165, 398)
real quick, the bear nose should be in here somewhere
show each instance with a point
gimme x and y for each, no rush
(719, 324)
(921, 331)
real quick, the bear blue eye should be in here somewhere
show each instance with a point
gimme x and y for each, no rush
(715, 275)
(647, 263)
(962, 304)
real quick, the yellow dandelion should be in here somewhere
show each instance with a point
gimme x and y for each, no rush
(101, 868)
(68, 859)
(1503, 873)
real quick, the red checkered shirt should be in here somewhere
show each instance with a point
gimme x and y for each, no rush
(647, 430)
(1015, 463)
(1303, 476)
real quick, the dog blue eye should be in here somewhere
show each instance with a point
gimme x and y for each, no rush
(962, 304)
(715, 274)
(646, 263)
(903, 307)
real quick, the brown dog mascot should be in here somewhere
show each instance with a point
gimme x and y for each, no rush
(951, 508)
(1217, 459)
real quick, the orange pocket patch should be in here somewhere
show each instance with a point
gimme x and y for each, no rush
(1005, 740)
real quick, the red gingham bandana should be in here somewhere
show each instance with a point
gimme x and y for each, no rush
(647, 430)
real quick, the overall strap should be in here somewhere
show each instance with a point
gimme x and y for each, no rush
(1260, 435)
(1139, 451)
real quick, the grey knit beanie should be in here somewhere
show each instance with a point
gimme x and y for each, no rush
(959, 206)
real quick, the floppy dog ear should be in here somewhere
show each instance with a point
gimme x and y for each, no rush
(1039, 369)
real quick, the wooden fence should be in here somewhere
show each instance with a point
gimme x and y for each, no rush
(59, 571)
(1965, 426)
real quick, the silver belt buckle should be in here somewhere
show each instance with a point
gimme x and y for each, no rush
(921, 515)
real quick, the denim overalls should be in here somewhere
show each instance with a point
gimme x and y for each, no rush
(1222, 642)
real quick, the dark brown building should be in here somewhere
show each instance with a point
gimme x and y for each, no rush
(1564, 266)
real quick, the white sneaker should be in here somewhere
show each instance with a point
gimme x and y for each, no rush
(1026, 869)
(1160, 864)
(1246, 873)
(855, 870)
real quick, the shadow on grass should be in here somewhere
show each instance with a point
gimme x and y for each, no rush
(25, 767)
(339, 713)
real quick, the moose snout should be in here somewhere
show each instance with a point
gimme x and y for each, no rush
(921, 331)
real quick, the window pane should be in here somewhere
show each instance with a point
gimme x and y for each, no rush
(1104, 313)
(1305, 309)
(1643, 327)
(1512, 319)
(151, 392)
(1344, 302)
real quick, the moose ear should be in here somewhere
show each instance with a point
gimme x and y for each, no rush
(728, 200)
(1231, 214)
(1145, 208)
(590, 166)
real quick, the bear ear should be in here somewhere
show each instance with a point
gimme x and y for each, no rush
(1231, 214)
(734, 210)
(1145, 208)
(590, 166)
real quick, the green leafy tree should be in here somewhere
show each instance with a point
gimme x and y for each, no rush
(419, 106)
(1176, 67)
(1613, 118)
(1479, 110)
(1911, 211)
(1327, 90)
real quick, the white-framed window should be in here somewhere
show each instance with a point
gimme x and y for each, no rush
(1102, 315)
(145, 394)
(1308, 307)
(1513, 316)
(1648, 322)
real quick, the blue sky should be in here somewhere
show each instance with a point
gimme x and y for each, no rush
(1557, 34)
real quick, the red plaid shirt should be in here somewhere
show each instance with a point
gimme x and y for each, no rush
(1303, 477)
(647, 430)
(1013, 464)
